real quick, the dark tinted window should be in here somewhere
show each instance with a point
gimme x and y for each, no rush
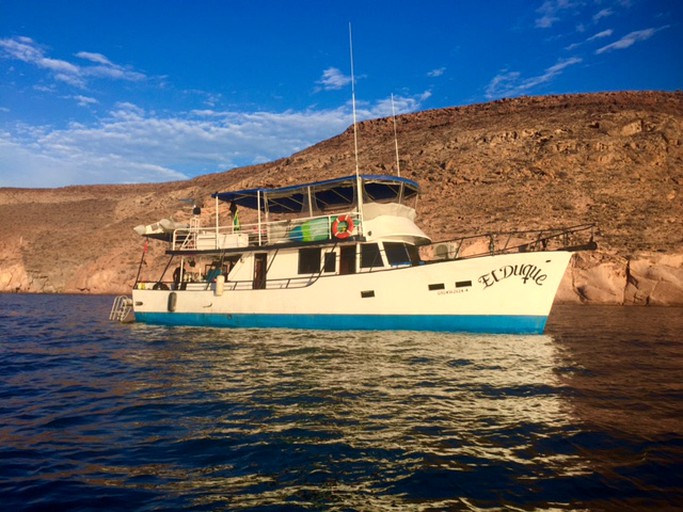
(370, 256)
(309, 261)
(399, 253)
(330, 262)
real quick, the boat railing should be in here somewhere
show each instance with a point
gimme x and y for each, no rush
(307, 229)
(244, 284)
(275, 284)
(573, 238)
(121, 308)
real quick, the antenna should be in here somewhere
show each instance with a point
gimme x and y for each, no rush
(393, 115)
(359, 184)
(353, 103)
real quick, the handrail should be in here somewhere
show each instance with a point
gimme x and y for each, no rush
(315, 228)
(542, 239)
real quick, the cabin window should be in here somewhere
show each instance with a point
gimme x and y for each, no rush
(399, 253)
(330, 262)
(309, 261)
(370, 256)
(347, 259)
(260, 269)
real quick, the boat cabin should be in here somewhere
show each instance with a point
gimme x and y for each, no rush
(342, 226)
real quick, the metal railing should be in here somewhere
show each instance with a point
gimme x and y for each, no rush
(121, 308)
(573, 238)
(307, 229)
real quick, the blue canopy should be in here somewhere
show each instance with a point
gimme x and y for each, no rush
(324, 195)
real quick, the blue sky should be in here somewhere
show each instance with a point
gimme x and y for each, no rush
(104, 91)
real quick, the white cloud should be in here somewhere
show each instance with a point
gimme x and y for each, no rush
(71, 79)
(58, 66)
(401, 105)
(27, 50)
(334, 79)
(550, 12)
(22, 166)
(114, 72)
(511, 83)
(206, 113)
(84, 101)
(436, 72)
(127, 110)
(630, 39)
(131, 145)
(44, 88)
(22, 48)
(599, 35)
(94, 57)
(604, 13)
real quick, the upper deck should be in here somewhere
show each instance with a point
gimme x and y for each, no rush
(365, 207)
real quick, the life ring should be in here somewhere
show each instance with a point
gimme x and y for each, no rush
(342, 226)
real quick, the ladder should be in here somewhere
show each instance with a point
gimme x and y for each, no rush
(123, 305)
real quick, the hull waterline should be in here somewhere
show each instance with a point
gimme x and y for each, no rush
(494, 324)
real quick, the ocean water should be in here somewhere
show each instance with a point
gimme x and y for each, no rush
(96, 415)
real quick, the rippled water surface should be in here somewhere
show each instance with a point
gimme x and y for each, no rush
(104, 416)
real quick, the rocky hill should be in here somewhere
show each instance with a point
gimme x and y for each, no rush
(614, 159)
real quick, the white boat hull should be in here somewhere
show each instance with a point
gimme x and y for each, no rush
(506, 293)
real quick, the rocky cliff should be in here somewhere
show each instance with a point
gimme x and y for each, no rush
(614, 159)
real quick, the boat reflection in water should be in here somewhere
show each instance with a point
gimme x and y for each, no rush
(370, 419)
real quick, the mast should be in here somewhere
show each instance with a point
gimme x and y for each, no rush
(258, 207)
(217, 222)
(393, 115)
(359, 188)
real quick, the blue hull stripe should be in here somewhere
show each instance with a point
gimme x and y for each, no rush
(513, 324)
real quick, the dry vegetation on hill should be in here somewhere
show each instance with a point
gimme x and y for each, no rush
(614, 159)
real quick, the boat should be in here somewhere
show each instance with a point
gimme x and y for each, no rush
(161, 230)
(347, 254)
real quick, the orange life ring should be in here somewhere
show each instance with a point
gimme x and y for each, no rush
(342, 226)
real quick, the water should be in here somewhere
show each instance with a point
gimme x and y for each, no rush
(96, 415)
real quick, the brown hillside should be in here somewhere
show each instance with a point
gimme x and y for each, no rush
(615, 159)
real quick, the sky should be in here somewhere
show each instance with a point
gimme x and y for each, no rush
(147, 91)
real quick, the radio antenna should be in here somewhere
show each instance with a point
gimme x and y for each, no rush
(353, 104)
(393, 115)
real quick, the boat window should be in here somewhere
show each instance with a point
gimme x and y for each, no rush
(230, 263)
(414, 254)
(260, 269)
(370, 256)
(347, 259)
(309, 260)
(399, 253)
(330, 262)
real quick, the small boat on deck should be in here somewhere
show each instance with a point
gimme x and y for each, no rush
(346, 253)
(162, 230)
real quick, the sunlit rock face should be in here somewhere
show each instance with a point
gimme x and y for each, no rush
(644, 279)
(613, 159)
